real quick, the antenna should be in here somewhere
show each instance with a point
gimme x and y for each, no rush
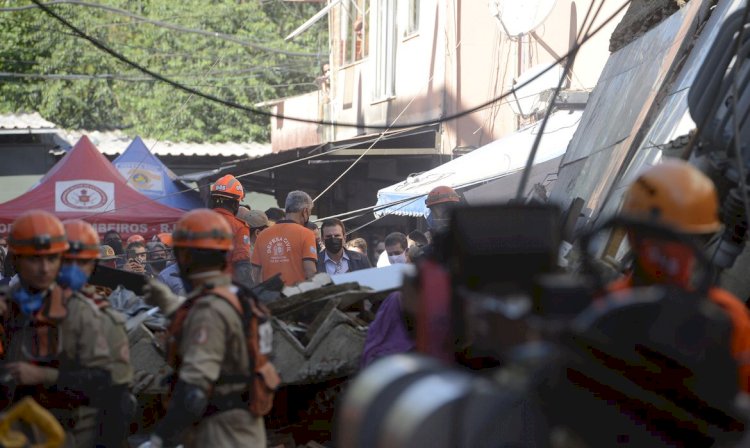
(519, 17)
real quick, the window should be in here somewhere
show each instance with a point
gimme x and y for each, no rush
(385, 50)
(412, 19)
(355, 35)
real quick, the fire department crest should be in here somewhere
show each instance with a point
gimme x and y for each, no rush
(84, 197)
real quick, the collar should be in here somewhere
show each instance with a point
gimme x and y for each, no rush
(223, 211)
(287, 221)
(209, 279)
(327, 258)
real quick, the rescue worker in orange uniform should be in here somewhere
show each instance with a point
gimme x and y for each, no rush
(53, 345)
(212, 349)
(78, 264)
(226, 194)
(677, 195)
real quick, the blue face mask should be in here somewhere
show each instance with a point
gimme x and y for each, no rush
(71, 276)
(436, 224)
(29, 303)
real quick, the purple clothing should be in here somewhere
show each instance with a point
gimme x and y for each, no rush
(387, 334)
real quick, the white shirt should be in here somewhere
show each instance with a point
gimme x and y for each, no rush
(336, 268)
(383, 260)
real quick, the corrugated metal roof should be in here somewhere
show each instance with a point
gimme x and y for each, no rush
(113, 143)
(21, 121)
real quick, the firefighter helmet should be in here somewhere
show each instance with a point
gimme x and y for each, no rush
(203, 229)
(675, 194)
(165, 238)
(37, 232)
(82, 239)
(228, 186)
(135, 239)
(441, 195)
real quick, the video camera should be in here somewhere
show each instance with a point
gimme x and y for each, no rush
(514, 351)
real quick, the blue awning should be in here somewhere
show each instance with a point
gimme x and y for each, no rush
(487, 174)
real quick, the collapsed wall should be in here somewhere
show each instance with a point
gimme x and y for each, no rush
(642, 15)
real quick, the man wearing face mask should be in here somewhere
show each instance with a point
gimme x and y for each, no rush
(53, 346)
(157, 254)
(257, 221)
(439, 202)
(288, 247)
(395, 246)
(335, 259)
(114, 240)
(78, 264)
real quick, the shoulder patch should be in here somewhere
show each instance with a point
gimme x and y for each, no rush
(200, 335)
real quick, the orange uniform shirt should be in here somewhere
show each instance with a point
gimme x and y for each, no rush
(738, 314)
(241, 232)
(281, 249)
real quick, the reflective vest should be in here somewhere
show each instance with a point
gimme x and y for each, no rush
(263, 380)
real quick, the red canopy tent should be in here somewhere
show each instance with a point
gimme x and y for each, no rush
(85, 185)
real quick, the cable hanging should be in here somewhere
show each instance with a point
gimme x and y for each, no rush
(97, 43)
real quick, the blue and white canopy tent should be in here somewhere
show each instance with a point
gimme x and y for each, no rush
(147, 174)
(489, 174)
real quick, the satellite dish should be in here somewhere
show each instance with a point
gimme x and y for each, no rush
(528, 99)
(519, 17)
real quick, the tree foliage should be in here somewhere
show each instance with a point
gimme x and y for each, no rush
(100, 92)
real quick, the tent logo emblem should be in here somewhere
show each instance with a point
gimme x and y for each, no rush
(140, 179)
(84, 197)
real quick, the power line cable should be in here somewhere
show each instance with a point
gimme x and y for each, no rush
(280, 165)
(295, 161)
(159, 23)
(256, 111)
(538, 138)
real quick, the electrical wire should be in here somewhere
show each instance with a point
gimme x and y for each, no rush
(258, 171)
(564, 76)
(382, 134)
(161, 24)
(174, 119)
(260, 112)
(104, 48)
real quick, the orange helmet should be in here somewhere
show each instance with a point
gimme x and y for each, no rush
(165, 238)
(82, 239)
(135, 239)
(441, 195)
(37, 232)
(203, 229)
(228, 186)
(676, 194)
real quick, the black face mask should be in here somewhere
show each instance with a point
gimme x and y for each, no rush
(334, 245)
(159, 265)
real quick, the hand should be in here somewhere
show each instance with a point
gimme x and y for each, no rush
(3, 305)
(156, 293)
(135, 266)
(26, 374)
